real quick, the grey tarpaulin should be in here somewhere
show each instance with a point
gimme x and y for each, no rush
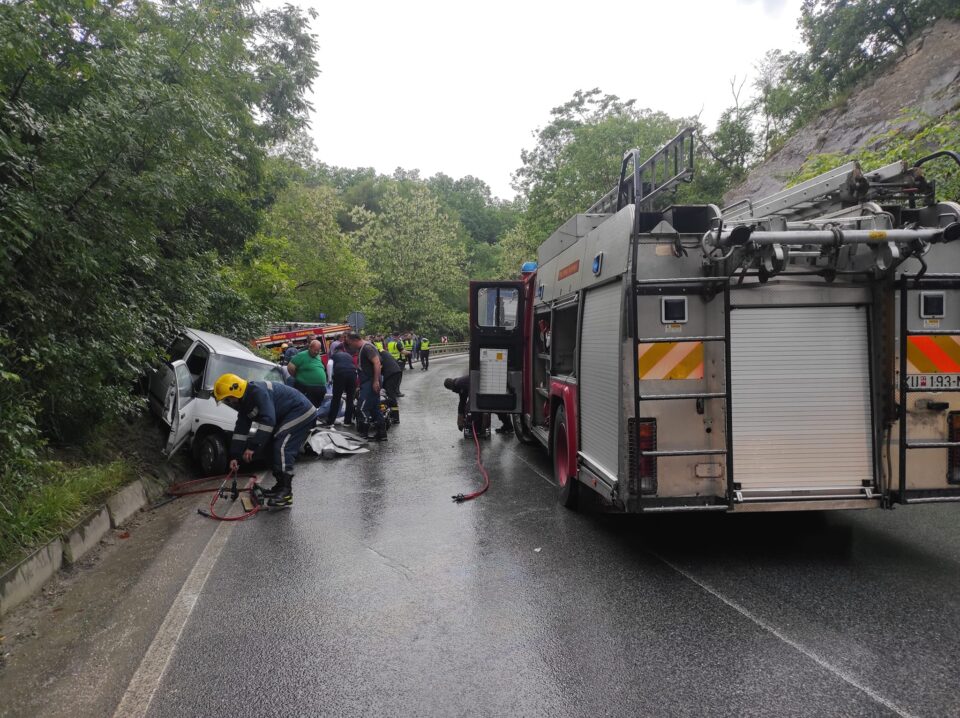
(327, 442)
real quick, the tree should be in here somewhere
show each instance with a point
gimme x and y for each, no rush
(578, 155)
(132, 139)
(413, 250)
(325, 274)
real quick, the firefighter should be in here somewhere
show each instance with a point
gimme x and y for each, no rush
(280, 412)
(461, 387)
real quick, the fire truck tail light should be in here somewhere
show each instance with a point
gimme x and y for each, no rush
(953, 454)
(647, 465)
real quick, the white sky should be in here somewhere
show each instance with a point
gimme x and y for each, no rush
(459, 88)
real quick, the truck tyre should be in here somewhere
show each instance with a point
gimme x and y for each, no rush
(569, 492)
(212, 455)
(522, 429)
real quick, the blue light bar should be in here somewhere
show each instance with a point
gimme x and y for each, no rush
(528, 267)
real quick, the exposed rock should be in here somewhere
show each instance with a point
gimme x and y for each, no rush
(925, 77)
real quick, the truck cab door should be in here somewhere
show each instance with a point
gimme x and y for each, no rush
(177, 409)
(496, 347)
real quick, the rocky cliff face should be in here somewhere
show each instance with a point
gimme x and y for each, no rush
(926, 78)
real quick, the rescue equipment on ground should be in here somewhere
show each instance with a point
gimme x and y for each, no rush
(252, 503)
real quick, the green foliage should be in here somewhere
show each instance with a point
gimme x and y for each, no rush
(325, 272)
(484, 217)
(132, 144)
(845, 43)
(411, 246)
(903, 143)
(578, 155)
(60, 495)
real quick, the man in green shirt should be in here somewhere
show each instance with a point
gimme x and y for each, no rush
(308, 373)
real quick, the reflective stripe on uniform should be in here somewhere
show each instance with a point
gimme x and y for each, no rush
(283, 454)
(312, 412)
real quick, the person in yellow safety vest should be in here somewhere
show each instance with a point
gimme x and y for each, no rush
(378, 344)
(395, 348)
(424, 353)
(408, 349)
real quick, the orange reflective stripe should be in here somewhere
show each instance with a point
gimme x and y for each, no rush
(670, 360)
(650, 354)
(933, 355)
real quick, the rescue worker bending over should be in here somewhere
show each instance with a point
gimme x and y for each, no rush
(280, 412)
(461, 386)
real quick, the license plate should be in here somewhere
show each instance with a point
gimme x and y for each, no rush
(933, 382)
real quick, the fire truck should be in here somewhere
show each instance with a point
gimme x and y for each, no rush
(797, 352)
(300, 333)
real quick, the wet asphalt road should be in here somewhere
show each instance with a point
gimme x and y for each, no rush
(378, 596)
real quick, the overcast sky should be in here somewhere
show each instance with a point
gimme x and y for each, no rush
(459, 87)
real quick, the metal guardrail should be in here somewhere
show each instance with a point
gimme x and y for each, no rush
(451, 348)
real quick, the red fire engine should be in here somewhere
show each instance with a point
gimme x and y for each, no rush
(801, 351)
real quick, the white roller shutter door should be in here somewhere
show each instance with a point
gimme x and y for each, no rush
(800, 391)
(599, 378)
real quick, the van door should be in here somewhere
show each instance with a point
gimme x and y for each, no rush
(496, 347)
(178, 408)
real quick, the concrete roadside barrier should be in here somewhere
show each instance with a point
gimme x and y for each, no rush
(26, 578)
(126, 502)
(86, 535)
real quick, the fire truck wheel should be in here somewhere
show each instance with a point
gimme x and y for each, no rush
(212, 455)
(522, 429)
(562, 471)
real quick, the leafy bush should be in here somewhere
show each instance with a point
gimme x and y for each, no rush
(915, 137)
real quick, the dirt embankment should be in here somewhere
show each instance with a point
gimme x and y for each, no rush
(925, 78)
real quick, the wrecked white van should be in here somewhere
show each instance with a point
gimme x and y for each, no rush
(181, 394)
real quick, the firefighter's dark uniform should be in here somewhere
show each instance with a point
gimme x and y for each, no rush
(280, 411)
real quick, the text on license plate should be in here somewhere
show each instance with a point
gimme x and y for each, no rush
(933, 381)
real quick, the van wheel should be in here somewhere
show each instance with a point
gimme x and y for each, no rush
(522, 429)
(212, 455)
(569, 492)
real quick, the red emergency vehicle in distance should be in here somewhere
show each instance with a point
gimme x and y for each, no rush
(300, 334)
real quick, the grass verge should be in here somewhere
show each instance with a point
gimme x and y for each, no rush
(63, 494)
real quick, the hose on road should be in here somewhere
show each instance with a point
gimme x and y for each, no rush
(460, 498)
(188, 488)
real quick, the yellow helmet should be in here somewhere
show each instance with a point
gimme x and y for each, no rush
(229, 385)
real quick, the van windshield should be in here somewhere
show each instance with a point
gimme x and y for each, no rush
(249, 370)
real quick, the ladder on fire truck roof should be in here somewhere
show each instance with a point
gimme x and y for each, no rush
(663, 170)
(838, 191)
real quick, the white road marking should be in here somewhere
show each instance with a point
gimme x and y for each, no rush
(534, 469)
(809, 653)
(136, 701)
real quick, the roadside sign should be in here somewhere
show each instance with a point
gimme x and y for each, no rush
(357, 320)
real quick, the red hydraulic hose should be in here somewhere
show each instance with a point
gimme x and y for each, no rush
(186, 488)
(460, 498)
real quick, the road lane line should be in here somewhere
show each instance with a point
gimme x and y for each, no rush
(534, 469)
(809, 653)
(139, 694)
